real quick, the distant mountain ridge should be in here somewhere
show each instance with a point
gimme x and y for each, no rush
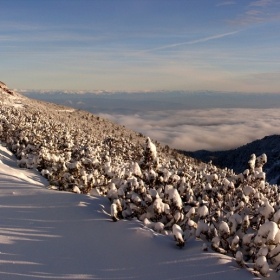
(237, 159)
(153, 100)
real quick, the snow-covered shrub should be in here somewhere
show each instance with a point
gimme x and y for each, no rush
(215, 245)
(262, 266)
(178, 235)
(202, 228)
(252, 162)
(267, 234)
(234, 244)
(224, 230)
(266, 210)
(239, 259)
(235, 222)
(150, 153)
(261, 161)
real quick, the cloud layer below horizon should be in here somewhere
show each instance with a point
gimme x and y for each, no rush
(213, 129)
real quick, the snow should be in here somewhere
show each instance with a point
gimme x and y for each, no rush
(261, 265)
(12, 100)
(46, 234)
(252, 161)
(267, 234)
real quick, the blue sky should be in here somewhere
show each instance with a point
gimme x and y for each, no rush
(141, 45)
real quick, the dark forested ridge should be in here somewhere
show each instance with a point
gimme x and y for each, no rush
(237, 159)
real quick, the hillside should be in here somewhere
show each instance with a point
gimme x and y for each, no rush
(237, 159)
(168, 194)
(47, 234)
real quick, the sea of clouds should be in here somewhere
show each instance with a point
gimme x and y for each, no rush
(213, 129)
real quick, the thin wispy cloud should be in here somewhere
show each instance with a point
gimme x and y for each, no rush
(46, 37)
(226, 3)
(257, 12)
(253, 12)
(271, 78)
(262, 3)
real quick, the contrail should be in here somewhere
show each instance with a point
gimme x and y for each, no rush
(192, 42)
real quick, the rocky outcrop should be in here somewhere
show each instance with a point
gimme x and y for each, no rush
(4, 88)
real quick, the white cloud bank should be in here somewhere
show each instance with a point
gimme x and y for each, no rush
(214, 129)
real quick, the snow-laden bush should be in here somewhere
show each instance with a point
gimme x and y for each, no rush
(202, 228)
(261, 161)
(239, 259)
(178, 235)
(268, 234)
(262, 266)
(252, 162)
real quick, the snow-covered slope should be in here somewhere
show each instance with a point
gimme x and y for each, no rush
(162, 195)
(46, 234)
